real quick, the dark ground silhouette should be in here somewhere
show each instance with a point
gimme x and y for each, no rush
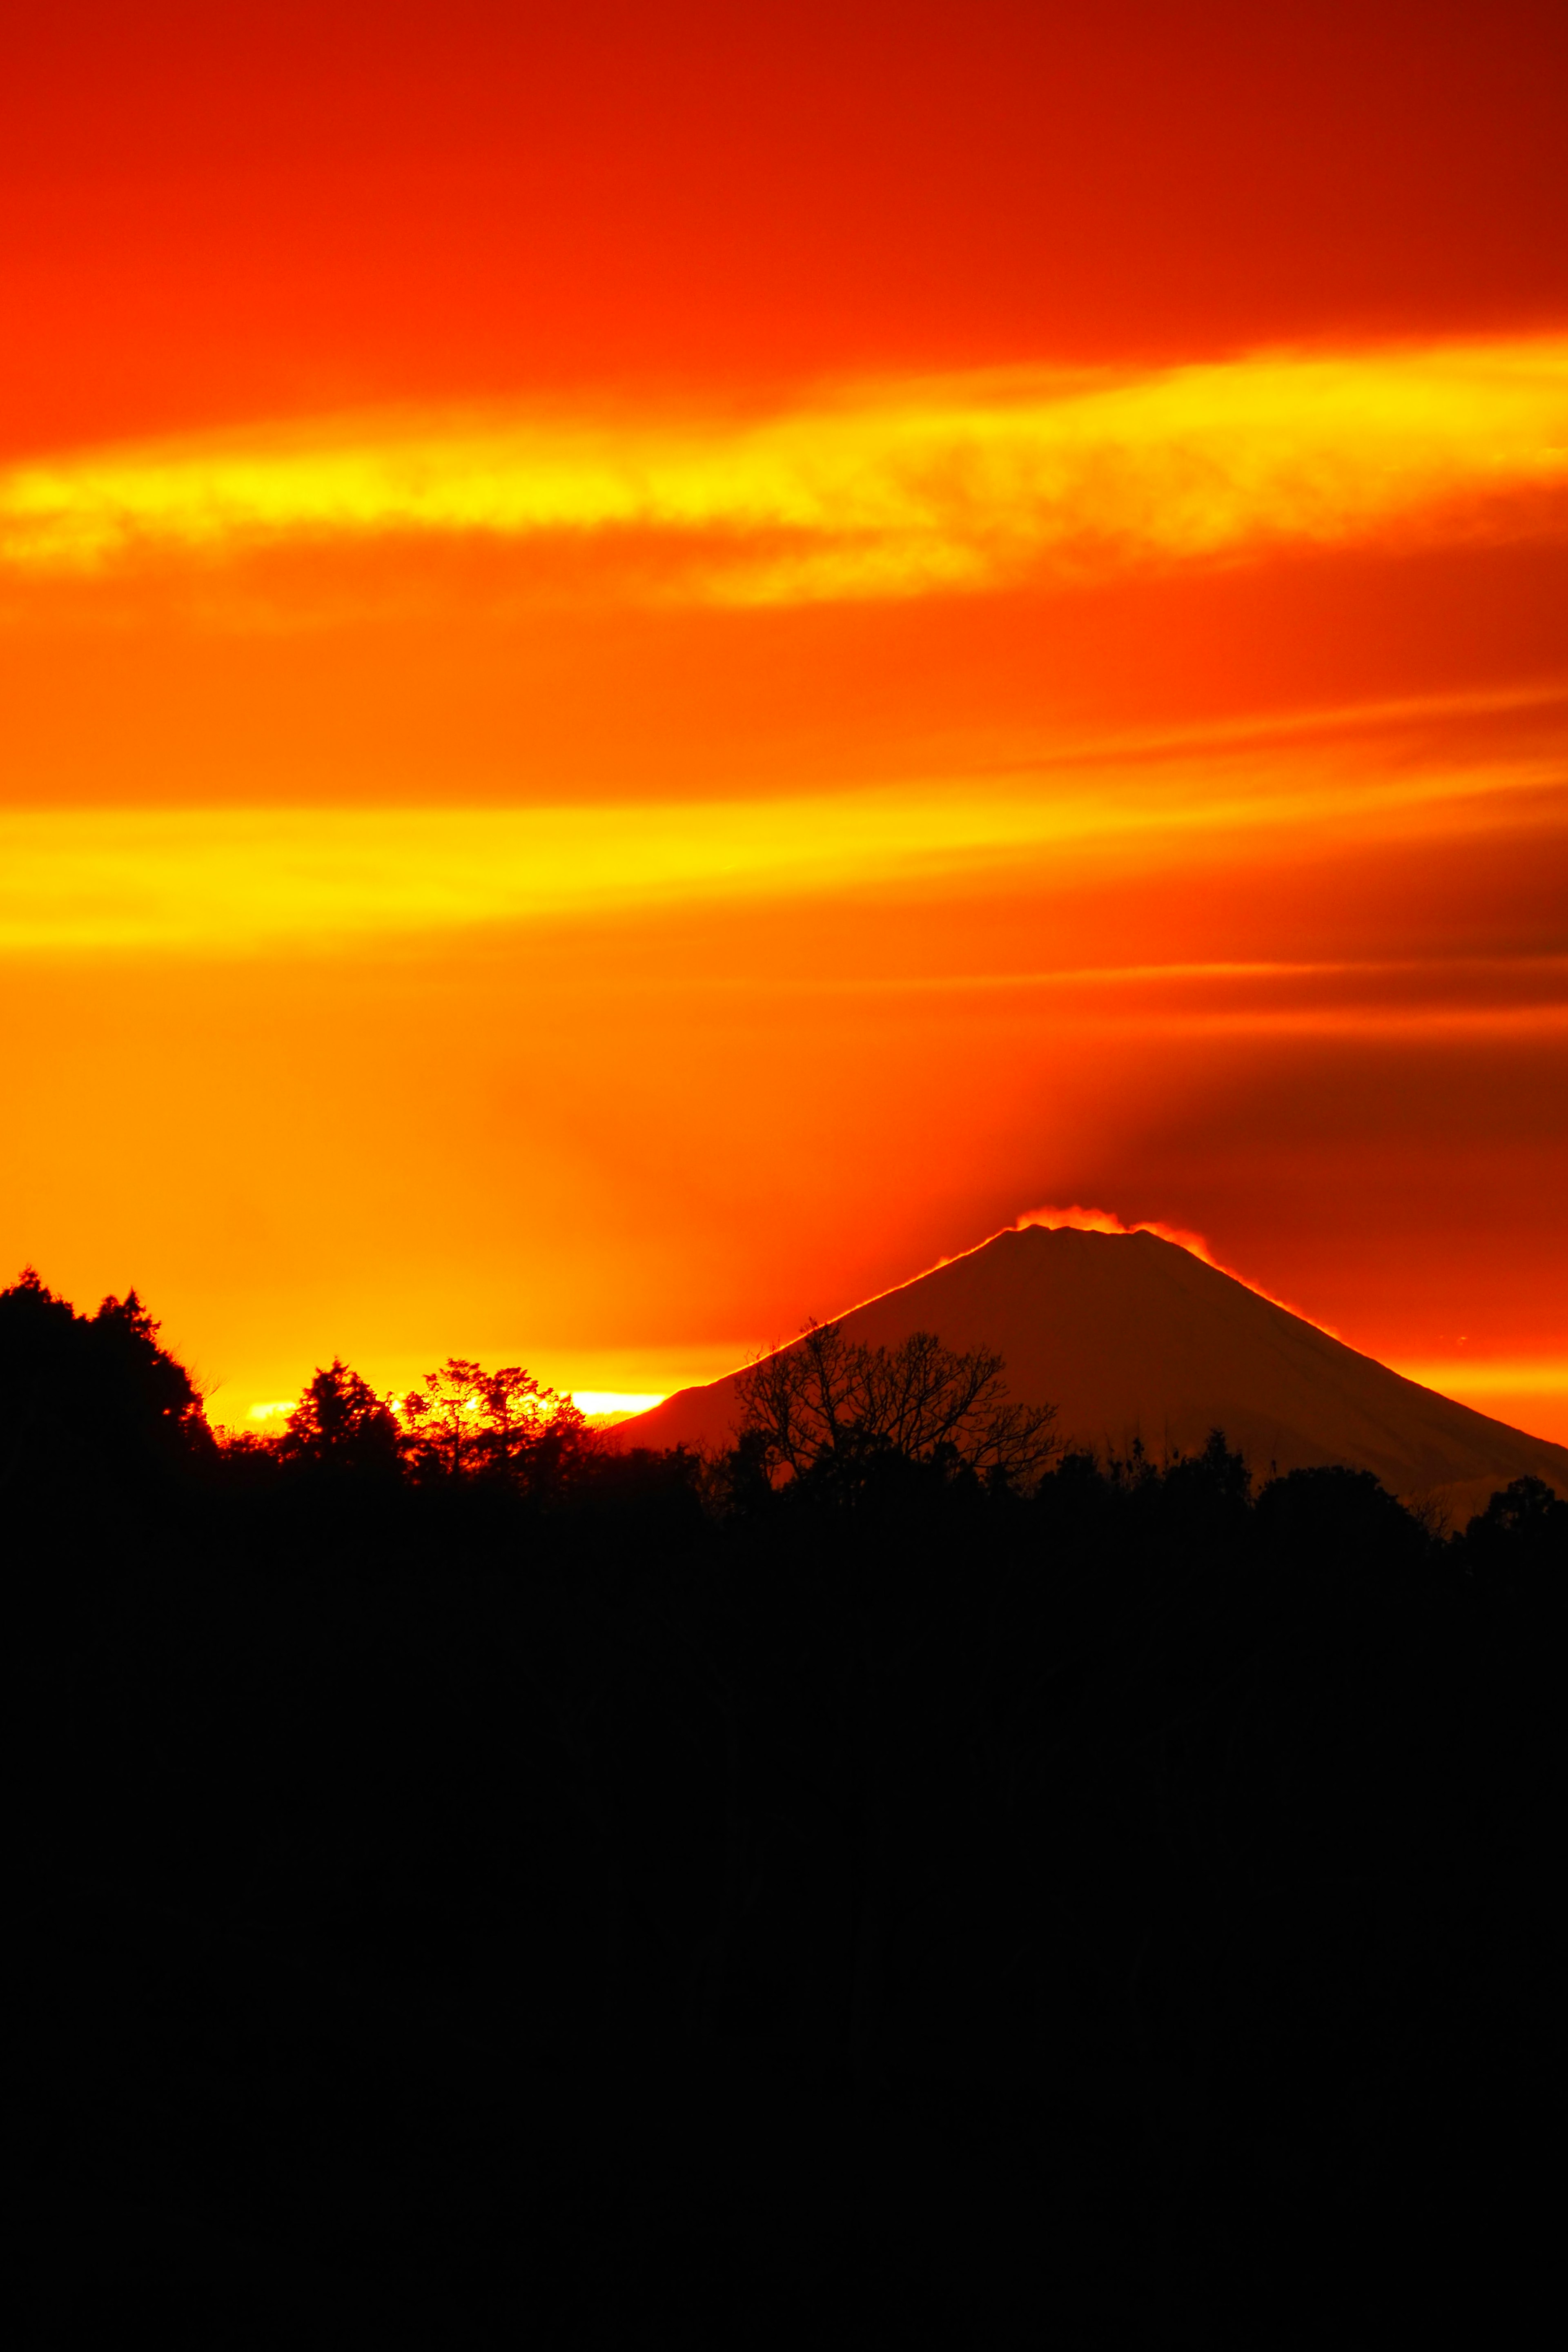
(474, 1885)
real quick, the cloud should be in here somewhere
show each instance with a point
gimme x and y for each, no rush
(239, 880)
(1077, 1218)
(893, 489)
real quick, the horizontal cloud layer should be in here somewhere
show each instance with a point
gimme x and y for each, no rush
(224, 881)
(896, 489)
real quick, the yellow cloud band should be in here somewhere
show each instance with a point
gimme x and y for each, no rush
(225, 881)
(893, 489)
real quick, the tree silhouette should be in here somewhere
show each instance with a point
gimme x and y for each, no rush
(446, 1431)
(340, 1424)
(829, 1406)
(534, 1435)
(1524, 1526)
(464, 1421)
(154, 1392)
(95, 1395)
(1333, 1517)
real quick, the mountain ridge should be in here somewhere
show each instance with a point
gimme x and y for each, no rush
(1133, 1336)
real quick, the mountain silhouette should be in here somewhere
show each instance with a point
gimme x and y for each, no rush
(1132, 1337)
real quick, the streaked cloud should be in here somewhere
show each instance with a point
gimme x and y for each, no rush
(890, 490)
(238, 881)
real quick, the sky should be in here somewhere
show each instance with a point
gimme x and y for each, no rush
(659, 664)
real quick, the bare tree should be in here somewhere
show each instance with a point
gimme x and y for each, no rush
(829, 1400)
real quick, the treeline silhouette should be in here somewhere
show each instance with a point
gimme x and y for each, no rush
(474, 1880)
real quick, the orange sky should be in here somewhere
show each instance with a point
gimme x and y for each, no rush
(654, 668)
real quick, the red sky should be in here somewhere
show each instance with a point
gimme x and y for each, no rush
(657, 664)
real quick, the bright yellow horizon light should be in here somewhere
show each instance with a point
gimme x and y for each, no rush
(598, 1403)
(1491, 1375)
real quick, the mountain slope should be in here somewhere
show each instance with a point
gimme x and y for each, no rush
(1131, 1336)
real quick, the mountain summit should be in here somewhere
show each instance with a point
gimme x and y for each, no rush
(1133, 1336)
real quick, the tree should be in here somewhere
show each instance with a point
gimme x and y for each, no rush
(464, 1419)
(92, 1396)
(155, 1392)
(1329, 1517)
(533, 1433)
(829, 1407)
(1523, 1525)
(443, 1424)
(340, 1423)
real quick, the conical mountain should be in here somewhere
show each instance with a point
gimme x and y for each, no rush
(1131, 1336)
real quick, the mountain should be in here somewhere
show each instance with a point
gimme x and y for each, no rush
(1131, 1336)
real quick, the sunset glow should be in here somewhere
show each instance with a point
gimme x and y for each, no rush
(600, 1404)
(783, 1165)
(654, 673)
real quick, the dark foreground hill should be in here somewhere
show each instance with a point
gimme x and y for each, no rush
(1130, 1337)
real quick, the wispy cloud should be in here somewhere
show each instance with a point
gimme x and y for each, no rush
(243, 880)
(890, 490)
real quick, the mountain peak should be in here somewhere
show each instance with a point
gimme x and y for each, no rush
(1132, 1336)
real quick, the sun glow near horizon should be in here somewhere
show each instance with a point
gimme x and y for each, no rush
(269, 1413)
